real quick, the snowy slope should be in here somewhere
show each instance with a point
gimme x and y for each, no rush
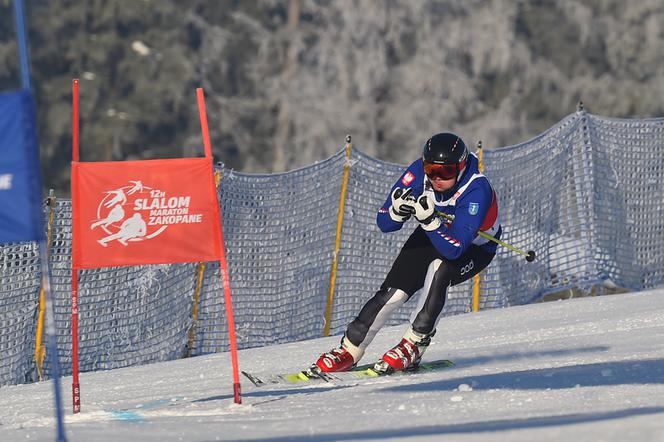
(585, 369)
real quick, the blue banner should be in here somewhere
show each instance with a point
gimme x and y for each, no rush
(20, 175)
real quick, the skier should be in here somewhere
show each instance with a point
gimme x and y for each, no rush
(438, 253)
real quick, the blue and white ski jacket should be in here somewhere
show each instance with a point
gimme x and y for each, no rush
(472, 201)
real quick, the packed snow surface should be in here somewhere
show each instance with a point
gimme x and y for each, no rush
(589, 369)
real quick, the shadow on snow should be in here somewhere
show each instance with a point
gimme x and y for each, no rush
(477, 360)
(475, 427)
(277, 392)
(637, 372)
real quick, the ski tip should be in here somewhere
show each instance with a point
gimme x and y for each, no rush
(253, 379)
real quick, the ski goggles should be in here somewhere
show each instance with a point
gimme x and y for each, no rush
(443, 171)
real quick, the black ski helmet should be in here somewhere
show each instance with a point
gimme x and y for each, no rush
(444, 148)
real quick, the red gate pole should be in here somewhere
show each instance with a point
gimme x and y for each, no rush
(76, 388)
(223, 265)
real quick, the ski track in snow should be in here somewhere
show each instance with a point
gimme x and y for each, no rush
(584, 369)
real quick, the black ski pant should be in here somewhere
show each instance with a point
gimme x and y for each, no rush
(407, 276)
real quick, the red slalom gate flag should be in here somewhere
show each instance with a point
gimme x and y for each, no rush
(144, 212)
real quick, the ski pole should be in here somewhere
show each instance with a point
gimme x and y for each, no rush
(530, 254)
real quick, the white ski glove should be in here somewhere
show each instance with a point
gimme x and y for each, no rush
(403, 205)
(426, 214)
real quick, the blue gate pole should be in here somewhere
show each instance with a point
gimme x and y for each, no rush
(21, 37)
(22, 44)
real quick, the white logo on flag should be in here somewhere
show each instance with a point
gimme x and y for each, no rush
(6, 181)
(153, 211)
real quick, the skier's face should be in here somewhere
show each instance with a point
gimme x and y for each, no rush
(442, 176)
(441, 185)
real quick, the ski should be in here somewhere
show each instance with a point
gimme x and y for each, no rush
(367, 371)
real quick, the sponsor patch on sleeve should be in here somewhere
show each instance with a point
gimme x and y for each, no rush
(407, 178)
(473, 208)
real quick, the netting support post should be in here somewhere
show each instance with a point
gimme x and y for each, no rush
(40, 349)
(194, 309)
(337, 241)
(476, 279)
